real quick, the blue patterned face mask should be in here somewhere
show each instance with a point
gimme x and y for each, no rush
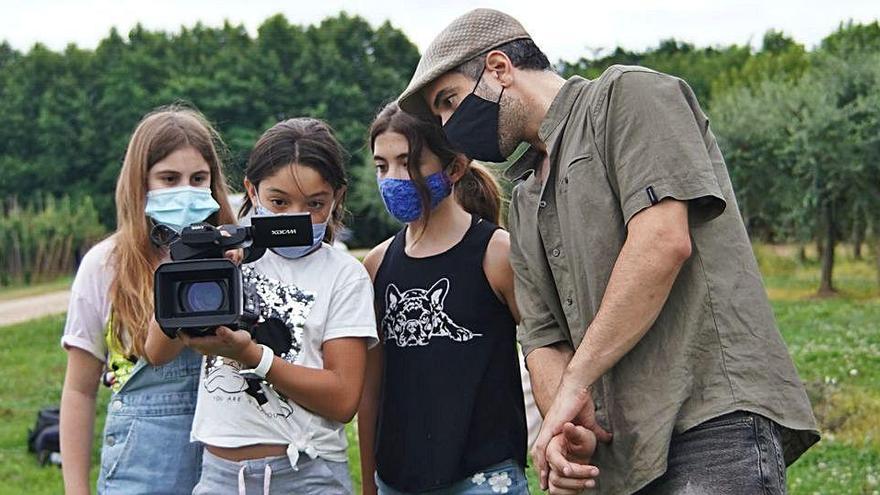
(179, 207)
(294, 252)
(402, 198)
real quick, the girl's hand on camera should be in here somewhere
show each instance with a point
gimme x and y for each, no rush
(234, 255)
(232, 344)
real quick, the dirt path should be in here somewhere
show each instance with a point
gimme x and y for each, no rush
(22, 309)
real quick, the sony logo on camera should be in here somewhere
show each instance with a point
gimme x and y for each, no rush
(284, 232)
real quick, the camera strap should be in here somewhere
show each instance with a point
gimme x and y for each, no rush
(163, 235)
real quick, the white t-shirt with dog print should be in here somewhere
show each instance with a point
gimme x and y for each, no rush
(323, 296)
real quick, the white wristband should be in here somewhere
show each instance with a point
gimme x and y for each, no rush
(262, 369)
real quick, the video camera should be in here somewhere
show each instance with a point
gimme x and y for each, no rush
(200, 290)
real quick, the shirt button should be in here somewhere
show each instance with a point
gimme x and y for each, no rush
(542, 204)
(569, 301)
(117, 405)
(111, 440)
(556, 252)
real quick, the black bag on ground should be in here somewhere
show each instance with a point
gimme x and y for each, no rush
(44, 439)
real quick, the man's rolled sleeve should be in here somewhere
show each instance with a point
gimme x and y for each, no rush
(655, 146)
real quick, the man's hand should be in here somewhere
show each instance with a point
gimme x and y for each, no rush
(235, 345)
(572, 404)
(568, 456)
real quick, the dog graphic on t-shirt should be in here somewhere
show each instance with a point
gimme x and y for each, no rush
(415, 316)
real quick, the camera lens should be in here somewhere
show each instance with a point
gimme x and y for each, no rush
(202, 296)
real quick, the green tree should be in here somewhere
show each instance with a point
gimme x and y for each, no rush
(780, 58)
(66, 117)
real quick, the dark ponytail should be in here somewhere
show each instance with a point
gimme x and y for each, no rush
(477, 191)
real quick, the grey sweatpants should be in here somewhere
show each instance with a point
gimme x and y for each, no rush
(273, 475)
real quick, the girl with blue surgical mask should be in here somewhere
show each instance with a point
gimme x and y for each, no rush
(171, 176)
(443, 408)
(273, 403)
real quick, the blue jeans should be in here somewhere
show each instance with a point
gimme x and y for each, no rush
(146, 445)
(312, 476)
(505, 477)
(738, 453)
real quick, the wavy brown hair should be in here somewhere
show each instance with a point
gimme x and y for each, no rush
(135, 257)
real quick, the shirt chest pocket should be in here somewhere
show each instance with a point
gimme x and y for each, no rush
(585, 190)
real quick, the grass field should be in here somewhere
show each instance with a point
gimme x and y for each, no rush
(835, 343)
(13, 292)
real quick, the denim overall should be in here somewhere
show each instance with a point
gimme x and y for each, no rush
(146, 446)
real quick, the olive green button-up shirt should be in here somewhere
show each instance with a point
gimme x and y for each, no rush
(618, 145)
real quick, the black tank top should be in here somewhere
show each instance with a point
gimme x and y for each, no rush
(452, 400)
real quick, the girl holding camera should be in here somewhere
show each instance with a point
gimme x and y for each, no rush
(171, 175)
(442, 407)
(273, 402)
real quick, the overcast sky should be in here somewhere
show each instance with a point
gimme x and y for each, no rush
(564, 29)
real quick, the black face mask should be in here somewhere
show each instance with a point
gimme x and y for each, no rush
(473, 127)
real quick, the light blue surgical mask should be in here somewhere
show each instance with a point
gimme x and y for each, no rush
(294, 252)
(179, 207)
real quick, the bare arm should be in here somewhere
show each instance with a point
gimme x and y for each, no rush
(78, 399)
(368, 412)
(657, 245)
(546, 366)
(159, 348)
(496, 266)
(333, 391)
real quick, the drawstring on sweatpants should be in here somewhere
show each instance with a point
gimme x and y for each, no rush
(267, 480)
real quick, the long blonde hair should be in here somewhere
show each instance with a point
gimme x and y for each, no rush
(135, 257)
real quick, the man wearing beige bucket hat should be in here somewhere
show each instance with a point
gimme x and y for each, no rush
(643, 311)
